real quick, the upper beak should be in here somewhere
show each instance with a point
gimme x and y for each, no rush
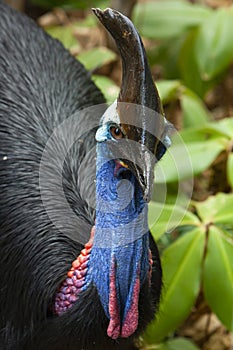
(138, 105)
(143, 169)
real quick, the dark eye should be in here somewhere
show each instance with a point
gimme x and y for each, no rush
(116, 132)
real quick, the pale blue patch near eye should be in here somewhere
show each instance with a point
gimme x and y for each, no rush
(102, 134)
(167, 141)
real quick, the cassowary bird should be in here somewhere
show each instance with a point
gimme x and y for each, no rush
(79, 269)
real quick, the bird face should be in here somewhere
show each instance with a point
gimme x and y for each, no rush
(136, 119)
(138, 137)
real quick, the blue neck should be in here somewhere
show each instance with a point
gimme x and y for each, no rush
(119, 261)
(121, 213)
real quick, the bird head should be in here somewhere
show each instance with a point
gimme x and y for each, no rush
(136, 120)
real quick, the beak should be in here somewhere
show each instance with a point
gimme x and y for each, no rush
(138, 105)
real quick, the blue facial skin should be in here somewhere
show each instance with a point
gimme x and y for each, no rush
(121, 229)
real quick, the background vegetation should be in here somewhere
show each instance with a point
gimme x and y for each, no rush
(190, 50)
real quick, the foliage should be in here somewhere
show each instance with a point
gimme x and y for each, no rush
(193, 41)
(70, 4)
(192, 45)
(109, 89)
(174, 344)
(96, 57)
(200, 257)
(190, 144)
(93, 58)
(64, 35)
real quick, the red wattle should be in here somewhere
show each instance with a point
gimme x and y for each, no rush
(114, 327)
(131, 320)
(68, 291)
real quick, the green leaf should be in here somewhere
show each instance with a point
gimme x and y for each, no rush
(230, 169)
(64, 34)
(224, 127)
(107, 86)
(197, 134)
(168, 19)
(168, 90)
(96, 57)
(224, 214)
(216, 209)
(166, 53)
(181, 264)
(213, 49)
(215, 130)
(178, 344)
(194, 110)
(164, 218)
(188, 66)
(183, 161)
(218, 276)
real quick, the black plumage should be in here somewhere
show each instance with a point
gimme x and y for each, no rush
(41, 85)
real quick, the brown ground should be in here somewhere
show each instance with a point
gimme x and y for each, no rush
(204, 328)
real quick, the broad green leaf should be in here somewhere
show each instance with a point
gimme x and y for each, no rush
(164, 218)
(183, 161)
(194, 110)
(223, 128)
(208, 131)
(168, 90)
(168, 19)
(96, 57)
(64, 34)
(230, 169)
(107, 86)
(216, 209)
(181, 264)
(166, 53)
(224, 213)
(213, 49)
(177, 344)
(188, 66)
(197, 134)
(218, 276)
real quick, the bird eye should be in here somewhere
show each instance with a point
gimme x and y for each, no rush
(116, 132)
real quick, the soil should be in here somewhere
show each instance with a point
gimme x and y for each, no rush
(205, 329)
